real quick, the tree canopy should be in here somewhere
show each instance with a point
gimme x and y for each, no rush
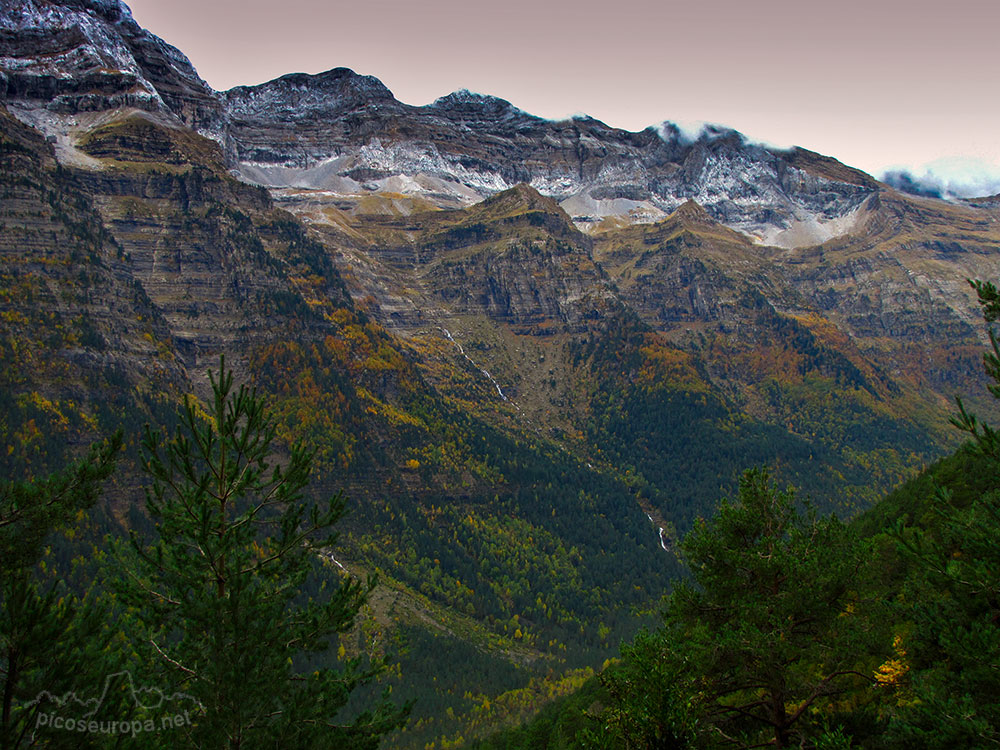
(227, 588)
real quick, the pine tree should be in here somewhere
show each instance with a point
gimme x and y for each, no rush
(953, 688)
(648, 699)
(239, 606)
(52, 641)
(768, 633)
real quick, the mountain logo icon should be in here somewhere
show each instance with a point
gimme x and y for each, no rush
(135, 709)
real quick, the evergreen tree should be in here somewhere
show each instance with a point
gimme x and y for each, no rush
(52, 641)
(648, 699)
(767, 633)
(946, 689)
(950, 697)
(233, 590)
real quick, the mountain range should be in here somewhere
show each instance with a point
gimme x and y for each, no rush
(533, 352)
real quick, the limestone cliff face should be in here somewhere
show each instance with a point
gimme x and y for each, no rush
(90, 56)
(56, 249)
(760, 264)
(345, 132)
(65, 63)
(81, 342)
(481, 321)
(158, 258)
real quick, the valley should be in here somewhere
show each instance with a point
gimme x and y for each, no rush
(531, 353)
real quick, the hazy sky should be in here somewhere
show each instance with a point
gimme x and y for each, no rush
(874, 83)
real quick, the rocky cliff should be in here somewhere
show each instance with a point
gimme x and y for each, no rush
(352, 136)
(91, 56)
(472, 250)
(514, 341)
(345, 132)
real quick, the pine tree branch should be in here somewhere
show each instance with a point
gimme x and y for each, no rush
(172, 661)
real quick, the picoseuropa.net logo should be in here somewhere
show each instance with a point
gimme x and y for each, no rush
(146, 709)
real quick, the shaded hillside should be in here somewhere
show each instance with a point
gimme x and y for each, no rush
(83, 347)
(476, 526)
(532, 353)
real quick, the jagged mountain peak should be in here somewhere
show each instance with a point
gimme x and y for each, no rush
(472, 146)
(308, 94)
(465, 102)
(70, 56)
(691, 212)
(520, 199)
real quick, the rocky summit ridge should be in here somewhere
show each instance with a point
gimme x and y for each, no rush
(532, 352)
(91, 56)
(63, 62)
(464, 147)
(260, 214)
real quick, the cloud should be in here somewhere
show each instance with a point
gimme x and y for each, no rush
(905, 182)
(950, 177)
(687, 132)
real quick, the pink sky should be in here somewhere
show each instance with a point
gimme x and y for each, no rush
(874, 83)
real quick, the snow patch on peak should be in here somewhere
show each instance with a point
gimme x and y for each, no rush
(32, 14)
(465, 100)
(303, 95)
